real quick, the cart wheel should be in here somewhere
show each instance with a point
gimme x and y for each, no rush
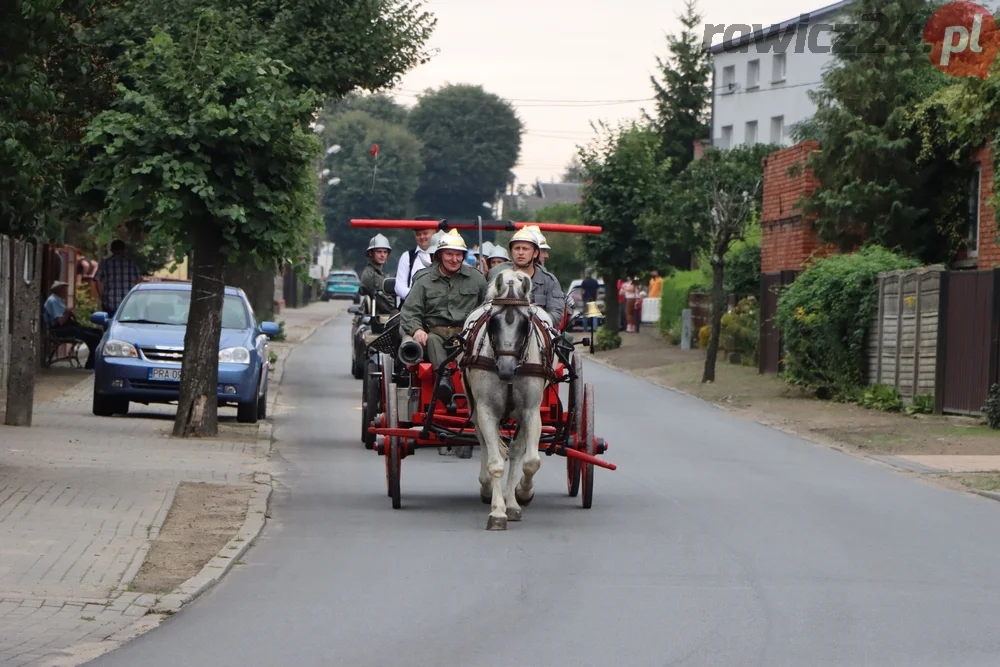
(371, 406)
(591, 445)
(575, 418)
(392, 455)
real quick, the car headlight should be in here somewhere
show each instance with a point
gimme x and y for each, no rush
(234, 355)
(119, 348)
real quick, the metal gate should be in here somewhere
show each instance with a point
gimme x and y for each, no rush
(970, 342)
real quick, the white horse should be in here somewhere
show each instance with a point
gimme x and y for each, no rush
(507, 365)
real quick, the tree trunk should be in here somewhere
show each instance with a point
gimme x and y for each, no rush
(24, 315)
(258, 285)
(718, 308)
(197, 407)
(612, 314)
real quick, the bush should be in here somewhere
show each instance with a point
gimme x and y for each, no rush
(742, 275)
(607, 339)
(704, 336)
(922, 404)
(741, 330)
(992, 407)
(881, 397)
(674, 299)
(824, 317)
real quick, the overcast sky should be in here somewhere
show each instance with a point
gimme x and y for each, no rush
(546, 56)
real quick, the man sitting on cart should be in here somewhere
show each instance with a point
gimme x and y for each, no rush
(440, 299)
(373, 277)
(525, 247)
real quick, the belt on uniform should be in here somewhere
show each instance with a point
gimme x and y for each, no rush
(445, 331)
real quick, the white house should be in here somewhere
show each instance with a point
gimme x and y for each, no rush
(762, 75)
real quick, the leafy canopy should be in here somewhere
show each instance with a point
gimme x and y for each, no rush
(399, 168)
(872, 187)
(471, 139)
(626, 180)
(207, 135)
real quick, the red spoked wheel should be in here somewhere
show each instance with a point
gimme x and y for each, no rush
(576, 415)
(587, 434)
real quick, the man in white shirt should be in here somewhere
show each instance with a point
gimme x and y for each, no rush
(412, 261)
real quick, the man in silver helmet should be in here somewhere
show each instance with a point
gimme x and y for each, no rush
(373, 276)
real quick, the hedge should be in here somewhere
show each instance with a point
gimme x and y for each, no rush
(674, 299)
(825, 315)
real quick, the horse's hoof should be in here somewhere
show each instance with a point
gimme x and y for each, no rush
(496, 523)
(523, 500)
(513, 513)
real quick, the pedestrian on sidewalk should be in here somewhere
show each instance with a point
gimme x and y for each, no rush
(115, 277)
(62, 321)
(627, 294)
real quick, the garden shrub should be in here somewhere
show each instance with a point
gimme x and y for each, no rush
(881, 397)
(742, 274)
(704, 336)
(922, 404)
(825, 315)
(741, 330)
(992, 407)
(674, 299)
(607, 339)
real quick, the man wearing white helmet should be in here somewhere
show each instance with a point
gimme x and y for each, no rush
(543, 249)
(497, 257)
(545, 291)
(373, 277)
(414, 260)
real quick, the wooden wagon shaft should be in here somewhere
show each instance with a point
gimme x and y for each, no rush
(504, 225)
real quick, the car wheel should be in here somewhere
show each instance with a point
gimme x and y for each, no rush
(107, 406)
(249, 412)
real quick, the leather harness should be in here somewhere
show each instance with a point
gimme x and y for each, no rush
(473, 359)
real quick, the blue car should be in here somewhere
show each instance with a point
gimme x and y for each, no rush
(139, 358)
(343, 285)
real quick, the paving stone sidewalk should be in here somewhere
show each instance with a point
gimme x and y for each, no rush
(81, 499)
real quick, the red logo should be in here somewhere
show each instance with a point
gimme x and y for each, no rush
(964, 39)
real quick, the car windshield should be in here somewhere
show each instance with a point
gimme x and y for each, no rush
(171, 307)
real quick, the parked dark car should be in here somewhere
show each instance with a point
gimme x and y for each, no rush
(139, 358)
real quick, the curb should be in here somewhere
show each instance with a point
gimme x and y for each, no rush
(219, 566)
(992, 495)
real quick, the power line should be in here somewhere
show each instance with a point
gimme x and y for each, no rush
(538, 102)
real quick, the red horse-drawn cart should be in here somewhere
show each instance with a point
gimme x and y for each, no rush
(401, 411)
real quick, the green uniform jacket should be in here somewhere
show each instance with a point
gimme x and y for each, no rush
(545, 290)
(371, 285)
(436, 300)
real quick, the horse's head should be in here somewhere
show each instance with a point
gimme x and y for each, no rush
(509, 328)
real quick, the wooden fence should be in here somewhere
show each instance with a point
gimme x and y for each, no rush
(903, 339)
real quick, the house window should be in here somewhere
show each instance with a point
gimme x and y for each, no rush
(778, 68)
(727, 137)
(974, 203)
(777, 129)
(753, 74)
(751, 133)
(729, 79)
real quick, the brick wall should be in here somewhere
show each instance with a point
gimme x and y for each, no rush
(989, 245)
(788, 240)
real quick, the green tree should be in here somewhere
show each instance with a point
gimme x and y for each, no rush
(565, 259)
(471, 139)
(722, 193)
(379, 106)
(873, 188)
(575, 173)
(207, 148)
(626, 179)
(399, 169)
(51, 82)
(683, 91)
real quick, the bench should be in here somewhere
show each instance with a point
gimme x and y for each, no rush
(53, 343)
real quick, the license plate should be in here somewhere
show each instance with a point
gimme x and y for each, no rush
(169, 374)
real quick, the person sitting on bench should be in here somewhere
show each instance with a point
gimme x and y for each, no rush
(62, 323)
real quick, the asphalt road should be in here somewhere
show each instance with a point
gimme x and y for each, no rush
(716, 542)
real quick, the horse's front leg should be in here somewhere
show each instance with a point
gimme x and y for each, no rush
(531, 462)
(513, 474)
(487, 425)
